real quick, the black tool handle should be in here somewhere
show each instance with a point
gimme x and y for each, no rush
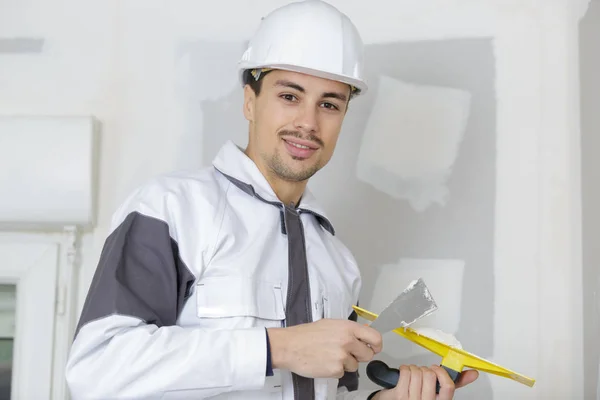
(386, 377)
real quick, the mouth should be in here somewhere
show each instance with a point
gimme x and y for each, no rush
(300, 149)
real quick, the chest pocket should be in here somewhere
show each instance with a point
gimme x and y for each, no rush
(225, 302)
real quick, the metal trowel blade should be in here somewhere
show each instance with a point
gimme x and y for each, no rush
(413, 303)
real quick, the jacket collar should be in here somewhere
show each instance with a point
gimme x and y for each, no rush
(232, 162)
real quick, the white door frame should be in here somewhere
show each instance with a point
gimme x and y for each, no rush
(44, 268)
(33, 268)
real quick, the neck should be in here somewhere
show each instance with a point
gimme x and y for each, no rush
(287, 192)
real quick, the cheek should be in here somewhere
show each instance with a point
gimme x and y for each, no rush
(273, 120)
(330, 131)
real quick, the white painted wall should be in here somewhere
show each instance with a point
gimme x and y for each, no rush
(128, 63)
(590, 141)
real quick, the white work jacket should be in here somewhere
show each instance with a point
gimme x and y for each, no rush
(194, 270)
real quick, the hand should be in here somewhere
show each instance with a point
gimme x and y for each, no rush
(323, 349)
(419, 383)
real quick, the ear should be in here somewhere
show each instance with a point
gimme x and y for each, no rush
(249, 103)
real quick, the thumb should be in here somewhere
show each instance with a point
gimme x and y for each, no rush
(467, 377)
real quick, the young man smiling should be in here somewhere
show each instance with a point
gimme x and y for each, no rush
(295, 120)
(229, 282)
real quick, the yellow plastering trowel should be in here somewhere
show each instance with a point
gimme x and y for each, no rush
(454, 359)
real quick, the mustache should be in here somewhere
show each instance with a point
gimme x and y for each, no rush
(296, 134)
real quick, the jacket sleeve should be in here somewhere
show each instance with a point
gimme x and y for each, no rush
(127, 343)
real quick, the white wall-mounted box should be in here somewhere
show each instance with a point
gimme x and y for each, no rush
(48, 171)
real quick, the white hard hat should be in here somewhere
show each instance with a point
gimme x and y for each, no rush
(310, 37)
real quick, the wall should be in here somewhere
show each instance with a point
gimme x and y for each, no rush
(161, 79)
(590, 142)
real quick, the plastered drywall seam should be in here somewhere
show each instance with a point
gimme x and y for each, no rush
(537, 262)
(515, 258)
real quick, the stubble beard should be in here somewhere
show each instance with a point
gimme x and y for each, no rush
(284, 172)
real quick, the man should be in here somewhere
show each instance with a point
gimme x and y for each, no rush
(230, 282)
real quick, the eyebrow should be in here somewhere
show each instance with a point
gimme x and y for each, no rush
(336, 95)
(292, 85)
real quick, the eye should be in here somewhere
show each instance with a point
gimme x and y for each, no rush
(330, 106)
(288, 97)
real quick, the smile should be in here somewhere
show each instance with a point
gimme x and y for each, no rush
(300, 151)
(300, 146)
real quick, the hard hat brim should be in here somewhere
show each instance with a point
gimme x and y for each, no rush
(359, 84)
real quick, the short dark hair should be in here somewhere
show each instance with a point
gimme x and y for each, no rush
(256, 84)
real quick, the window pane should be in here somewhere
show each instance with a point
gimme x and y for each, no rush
(7, 330)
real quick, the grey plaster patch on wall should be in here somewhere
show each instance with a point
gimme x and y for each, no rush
(405, 152)
(21, 45)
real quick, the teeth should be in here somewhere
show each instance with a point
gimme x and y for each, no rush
(300, 146)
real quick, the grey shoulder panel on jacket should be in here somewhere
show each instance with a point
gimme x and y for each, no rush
(140, 274)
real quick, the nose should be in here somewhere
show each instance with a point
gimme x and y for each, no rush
(306, 120)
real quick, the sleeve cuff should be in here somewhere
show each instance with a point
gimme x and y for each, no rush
(249, 359)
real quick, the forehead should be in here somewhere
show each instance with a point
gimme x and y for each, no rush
(310, 83)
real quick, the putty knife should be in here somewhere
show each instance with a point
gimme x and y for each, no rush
(413, 303)
(454, 360)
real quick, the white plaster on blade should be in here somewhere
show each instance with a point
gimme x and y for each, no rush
(444, 279)
(439, 336)
(412, 140)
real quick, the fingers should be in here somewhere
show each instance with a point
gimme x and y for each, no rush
(416, 383)
(419, 383)
(369, 335)
(429, 384)
(403, 382)
(361, 351)
(358, 352)
(447, 386)
(350, 364)
(467, 377)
